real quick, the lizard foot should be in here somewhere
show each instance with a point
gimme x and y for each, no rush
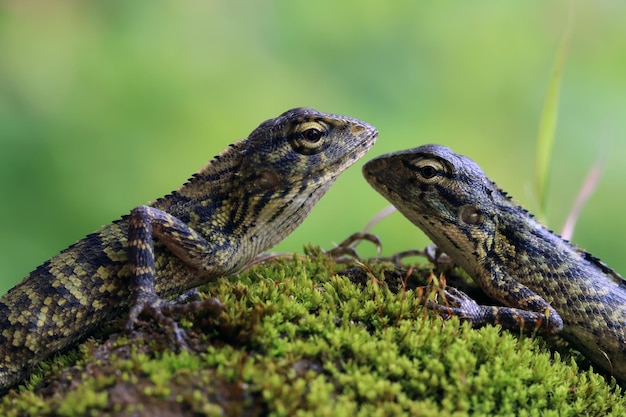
(454, 302)
(346, 251)
(155, 308)
(432, 253)
(162, 310)
(457, 303)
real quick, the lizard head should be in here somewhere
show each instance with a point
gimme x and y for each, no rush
(446, 195)
(303, 147)
(290, 161)
(259, 189)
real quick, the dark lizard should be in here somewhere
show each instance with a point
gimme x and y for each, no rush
(244, 201)
(544, 282)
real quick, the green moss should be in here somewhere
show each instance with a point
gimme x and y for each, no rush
(294, 338)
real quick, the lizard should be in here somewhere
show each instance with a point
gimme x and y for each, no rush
(544, 282)
(241, 203)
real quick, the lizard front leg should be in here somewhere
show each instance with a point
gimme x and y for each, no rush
(459, 304)
(524, 309)
(145, 224)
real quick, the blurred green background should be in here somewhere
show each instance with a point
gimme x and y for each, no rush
(107, 104)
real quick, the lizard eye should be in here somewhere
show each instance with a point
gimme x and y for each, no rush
(312, 135)
(428, 170)
(309, 138)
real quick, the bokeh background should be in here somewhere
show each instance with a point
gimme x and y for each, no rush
(105, 105)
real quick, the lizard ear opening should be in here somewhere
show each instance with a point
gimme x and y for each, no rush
(268, 180)
(470, 214)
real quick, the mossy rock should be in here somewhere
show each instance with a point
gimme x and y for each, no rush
(306, 336)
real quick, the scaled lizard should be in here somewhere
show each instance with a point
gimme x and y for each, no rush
(544, 282)
(244, 201)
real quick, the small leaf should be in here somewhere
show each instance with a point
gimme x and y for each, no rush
(547, 126)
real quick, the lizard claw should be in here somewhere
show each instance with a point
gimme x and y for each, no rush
(455, 303)
(432, 253)
(162, 310)
(156, 308)
(346, 248)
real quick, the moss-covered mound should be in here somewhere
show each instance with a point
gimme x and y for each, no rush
(300, 337)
